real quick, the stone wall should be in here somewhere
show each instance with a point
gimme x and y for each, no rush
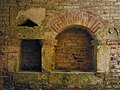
(15, 12)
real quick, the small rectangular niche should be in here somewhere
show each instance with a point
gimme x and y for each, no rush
(30, 55)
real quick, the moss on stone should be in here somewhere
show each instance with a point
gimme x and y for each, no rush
(26, 77)
(27, 81)
(65, 79)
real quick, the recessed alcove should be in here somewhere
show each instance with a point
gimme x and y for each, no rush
(30, 55)
(75, 50)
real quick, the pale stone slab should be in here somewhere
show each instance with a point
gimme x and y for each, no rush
(37, 15)
(103, 58)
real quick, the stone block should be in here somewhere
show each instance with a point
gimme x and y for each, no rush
(37, 15)
(109, 3)
(116, 17)
(117, 66)
(117, 3)
(110, 0)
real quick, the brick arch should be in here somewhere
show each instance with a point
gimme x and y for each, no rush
(75, 17)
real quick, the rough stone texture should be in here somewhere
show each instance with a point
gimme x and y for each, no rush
(108, 44)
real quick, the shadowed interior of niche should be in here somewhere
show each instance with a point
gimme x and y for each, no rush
(74, 50)
(31, 55)
(28, 23)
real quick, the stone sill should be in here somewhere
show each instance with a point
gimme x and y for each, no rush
(57, 72)
(27, 72)
(60, 72)
(73, 72)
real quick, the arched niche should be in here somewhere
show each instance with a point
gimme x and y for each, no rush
(92, 24)
(75, 50)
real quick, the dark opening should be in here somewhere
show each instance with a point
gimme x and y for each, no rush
(74, 50)
(2, 33)
(28, 23)
(31, 55)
